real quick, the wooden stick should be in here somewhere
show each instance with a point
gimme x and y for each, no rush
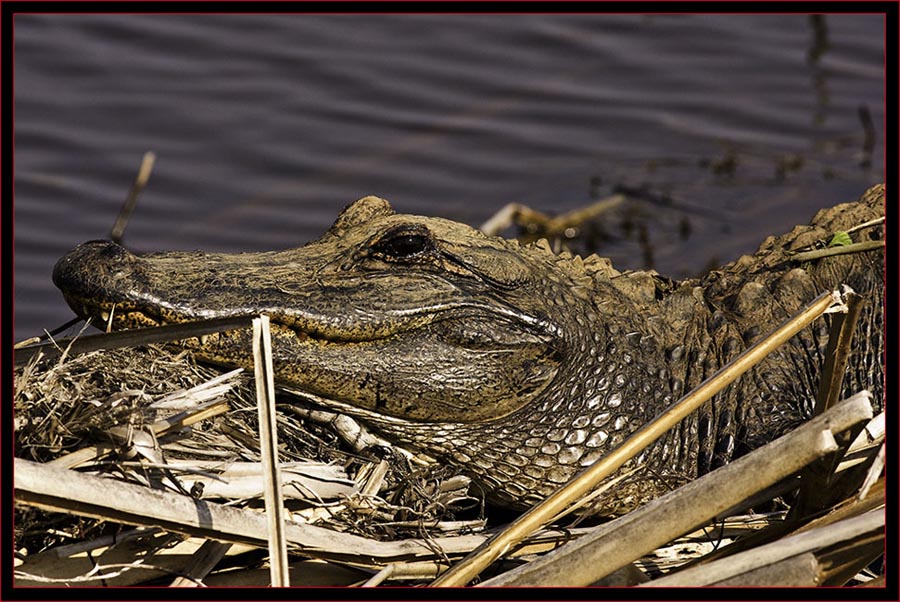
(815, 491)
(857, 247)
(727, 568)
(130, 338)
(838, 353)
(63, 490)
(202, 563)
(268, 443)
(118, 229)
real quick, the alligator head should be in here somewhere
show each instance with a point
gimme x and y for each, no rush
(519, 365)
(413, 317)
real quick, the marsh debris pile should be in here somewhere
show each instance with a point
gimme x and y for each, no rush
(143, 429)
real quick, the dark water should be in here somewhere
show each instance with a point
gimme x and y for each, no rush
(266, 126)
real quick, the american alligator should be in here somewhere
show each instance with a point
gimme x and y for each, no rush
(516, 364)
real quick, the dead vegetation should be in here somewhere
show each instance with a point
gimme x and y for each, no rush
(148, 417)
(138, 466)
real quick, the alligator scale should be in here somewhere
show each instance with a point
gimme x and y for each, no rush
(516, 364)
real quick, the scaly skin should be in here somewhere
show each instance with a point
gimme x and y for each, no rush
(518, 365)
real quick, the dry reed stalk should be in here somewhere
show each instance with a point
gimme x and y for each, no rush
(268, 439)
(722, 571)
(140, 182)
(856, 247)
(60, 490)
(244, 480)
(815, 485)
(550, 227)
(129, 338)
(303, 573)
(837, 353)
(125, 436)
(202, 562)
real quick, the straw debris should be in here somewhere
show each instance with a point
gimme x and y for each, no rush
(138, 466)
(153, 417)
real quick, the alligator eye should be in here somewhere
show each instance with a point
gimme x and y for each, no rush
(402, 245)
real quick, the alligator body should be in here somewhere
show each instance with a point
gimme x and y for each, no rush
(518, 365)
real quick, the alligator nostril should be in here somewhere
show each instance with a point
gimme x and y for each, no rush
(105, 249)
(78, 269)
(112, 251)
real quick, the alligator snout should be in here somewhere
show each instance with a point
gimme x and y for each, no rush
(88, 269)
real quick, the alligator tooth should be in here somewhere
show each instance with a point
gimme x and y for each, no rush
(204, 339)
(104, 315)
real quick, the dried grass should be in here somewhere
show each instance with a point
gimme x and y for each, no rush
(98, 411)
(148, 417)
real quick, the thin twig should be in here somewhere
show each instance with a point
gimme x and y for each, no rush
(869, 523)
(555, 226)
(130, 338)
(47, 334)
(838, 352)
(857, 247)
(868, 224)
(118, 229)
(268, 443)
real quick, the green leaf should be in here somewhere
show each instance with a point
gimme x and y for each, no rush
(840, 239)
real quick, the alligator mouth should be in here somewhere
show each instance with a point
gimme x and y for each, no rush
(119, 290)
(128, 315)
(435, 354)
(112, 316)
